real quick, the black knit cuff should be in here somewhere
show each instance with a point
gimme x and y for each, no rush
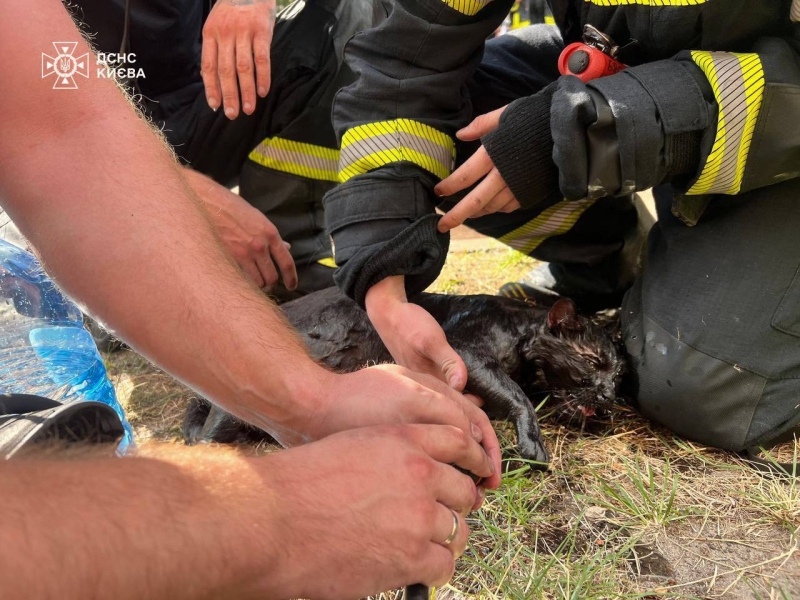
(522, 148)
(418, 252)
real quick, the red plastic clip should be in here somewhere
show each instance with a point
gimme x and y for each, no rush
(595, 56)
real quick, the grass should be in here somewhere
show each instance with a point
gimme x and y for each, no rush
(626, 510)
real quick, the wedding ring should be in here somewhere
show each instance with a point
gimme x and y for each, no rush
(453, 534)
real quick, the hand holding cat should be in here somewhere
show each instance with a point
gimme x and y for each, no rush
(368, 510)
(390, 394)
(492, 194)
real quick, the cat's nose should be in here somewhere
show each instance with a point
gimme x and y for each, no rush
(609, 393)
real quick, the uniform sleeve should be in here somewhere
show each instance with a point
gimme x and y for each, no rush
(757, 130)
(706, 122)
(396, 125)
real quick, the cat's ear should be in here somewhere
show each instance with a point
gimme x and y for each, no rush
(564, 317)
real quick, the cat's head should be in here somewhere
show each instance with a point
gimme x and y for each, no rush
(577, 362)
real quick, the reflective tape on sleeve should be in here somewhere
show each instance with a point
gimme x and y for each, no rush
(738, 84)
(556, 220)
(468, 7)
(647, 2)
(297, 158)
(373, 145)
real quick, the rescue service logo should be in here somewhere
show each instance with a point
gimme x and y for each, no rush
(65, 66)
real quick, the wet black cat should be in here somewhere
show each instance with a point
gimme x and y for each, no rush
(512, 351)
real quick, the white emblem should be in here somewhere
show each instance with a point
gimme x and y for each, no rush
(65, 66)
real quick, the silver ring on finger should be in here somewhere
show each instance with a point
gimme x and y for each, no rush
(453, 534)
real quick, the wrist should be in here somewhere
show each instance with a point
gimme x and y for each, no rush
(383, 297)
(289, 402)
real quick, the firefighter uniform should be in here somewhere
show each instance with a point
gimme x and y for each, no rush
(709, 113)
(284, 156)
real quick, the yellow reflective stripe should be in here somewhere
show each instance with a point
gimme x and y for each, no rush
(297, 158)
(556, 220)
(647, 2)
(517, 22)
(467, 7)
(549, 20)
(373, 145)
(369, 130)
(327, 262)
(754, 84)
(738, 84)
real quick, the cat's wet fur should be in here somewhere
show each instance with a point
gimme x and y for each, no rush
(513, 351)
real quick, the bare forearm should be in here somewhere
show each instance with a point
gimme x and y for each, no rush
(189, 524)
(122, 232)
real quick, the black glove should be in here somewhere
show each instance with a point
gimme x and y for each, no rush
(522, 148)
(631, 131)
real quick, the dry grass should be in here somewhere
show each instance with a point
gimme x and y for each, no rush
(626, 511)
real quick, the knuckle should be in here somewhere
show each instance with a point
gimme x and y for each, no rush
(419, 468)
(243, 65)
(459, 439)
(225, 70)
(261, 57)
(206, 65)
(258, 246)
(476, 202)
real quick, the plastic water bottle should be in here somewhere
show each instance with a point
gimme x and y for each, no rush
(44, 348)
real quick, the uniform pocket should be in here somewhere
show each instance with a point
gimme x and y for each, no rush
(787, 315)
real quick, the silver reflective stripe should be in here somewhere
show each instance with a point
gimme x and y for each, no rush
(556, 220)
(297, 158)
(795, 14)
(387, 142)
(373, 145)
(738, 84)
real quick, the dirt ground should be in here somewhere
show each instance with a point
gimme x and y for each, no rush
(626, 511)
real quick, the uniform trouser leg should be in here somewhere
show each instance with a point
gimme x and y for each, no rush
(296, 162)
(713, 324)
(583, 241)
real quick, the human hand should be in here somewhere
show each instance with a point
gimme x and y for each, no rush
(247, 234)
(390, 394)
(369, 509)
(492, 194)
(236, 41)
(412, 336)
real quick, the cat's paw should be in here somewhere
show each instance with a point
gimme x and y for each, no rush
(534, 450)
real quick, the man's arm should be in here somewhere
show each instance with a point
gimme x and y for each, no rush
(108, 210)
(209, 523)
